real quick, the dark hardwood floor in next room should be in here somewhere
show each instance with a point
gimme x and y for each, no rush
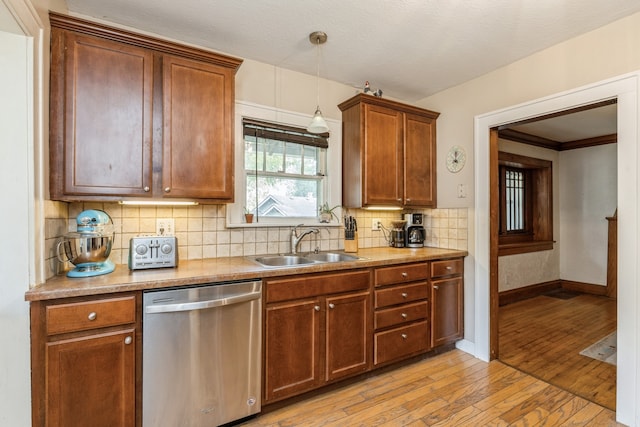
(543, 337)
(451, 389)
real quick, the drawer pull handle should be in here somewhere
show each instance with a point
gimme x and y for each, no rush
(92, 316)
(404, 315)
(128, 340)
(404, 274)
(449, 267)
(404, 295)
(331, 305)
(404, 336)
(436, 287)
(316, 308)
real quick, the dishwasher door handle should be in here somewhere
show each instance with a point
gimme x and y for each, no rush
(201, 305)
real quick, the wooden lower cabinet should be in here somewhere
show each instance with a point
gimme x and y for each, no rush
(85, 364)
(318, 339)
(91, 380)
(401, 314)
(446, 301)
(347, 332)
(292, 349)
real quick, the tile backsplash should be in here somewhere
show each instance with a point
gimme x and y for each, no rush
(202, 232)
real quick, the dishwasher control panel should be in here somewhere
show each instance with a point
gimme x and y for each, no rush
(153, 252)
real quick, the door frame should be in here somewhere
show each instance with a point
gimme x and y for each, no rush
(626, 89)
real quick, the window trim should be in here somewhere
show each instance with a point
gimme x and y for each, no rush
(333, 184)
(538, 234)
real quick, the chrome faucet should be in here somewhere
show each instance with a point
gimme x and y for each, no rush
(295, 239)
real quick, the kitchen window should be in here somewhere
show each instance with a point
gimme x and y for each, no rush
(284, 168)
(282, 172)
(526, 205)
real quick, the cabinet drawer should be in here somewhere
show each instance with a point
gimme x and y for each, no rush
(401, 294)
(314, 285)
(402, 314)
(446, 267)
(401, 342)
(94, 314)
(401, 274)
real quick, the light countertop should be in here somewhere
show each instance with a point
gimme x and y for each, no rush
(219, 270)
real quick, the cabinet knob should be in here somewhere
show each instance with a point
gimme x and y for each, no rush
(128, 340)
(404, 315)
(331, 305)
(146, 188)
(404, 274)
(398, 199)
(408, 200)
(92, 316)
(316, 308)
(449, 267)
(404, 295)
(436, 287)
(404, 336)
(167, 189)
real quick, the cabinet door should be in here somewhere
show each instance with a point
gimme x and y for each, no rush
(91, 381)
(348, 330)
(446, 311)
(419, 161)
(382, 156)
(198, 123)
(101, 117)
(292, 349)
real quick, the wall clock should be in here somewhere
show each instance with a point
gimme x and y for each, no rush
(456, 158)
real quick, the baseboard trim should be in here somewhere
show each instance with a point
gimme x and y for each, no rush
(526, 292)
(587, 288)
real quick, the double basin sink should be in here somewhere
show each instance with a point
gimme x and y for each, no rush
(300, 260)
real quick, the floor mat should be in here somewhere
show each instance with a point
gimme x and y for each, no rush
(604, 350)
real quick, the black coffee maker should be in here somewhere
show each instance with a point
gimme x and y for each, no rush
(414, 230)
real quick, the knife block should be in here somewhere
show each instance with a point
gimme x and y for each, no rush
(351, 245)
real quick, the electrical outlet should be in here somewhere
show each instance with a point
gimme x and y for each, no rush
(462, 191)
(165, 227)
(375, 224)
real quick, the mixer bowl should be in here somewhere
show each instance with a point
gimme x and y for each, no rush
(85, 248)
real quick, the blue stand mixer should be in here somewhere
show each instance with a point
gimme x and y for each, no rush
(89, 247)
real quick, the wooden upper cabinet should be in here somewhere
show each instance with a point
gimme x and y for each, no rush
(136, 117)
(388, 153)
(420, 161)
(101, 114)
(383, 156)
(198, 124)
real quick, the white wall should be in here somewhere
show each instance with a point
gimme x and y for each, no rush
(15, 399)
(602, 54)
(588, 186)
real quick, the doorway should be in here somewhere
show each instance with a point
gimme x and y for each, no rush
(625, 89)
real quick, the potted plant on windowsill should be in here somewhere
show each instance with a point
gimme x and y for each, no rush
(327, 213)
(248, 216)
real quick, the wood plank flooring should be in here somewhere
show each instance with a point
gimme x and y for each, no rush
(451, 389)
(543, 337)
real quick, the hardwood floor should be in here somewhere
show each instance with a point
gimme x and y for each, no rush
(451, 389)
(543, 337)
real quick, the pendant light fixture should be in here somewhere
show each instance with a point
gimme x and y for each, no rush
(318, 123)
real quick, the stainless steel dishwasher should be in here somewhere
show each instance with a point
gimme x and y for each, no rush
(201, 361)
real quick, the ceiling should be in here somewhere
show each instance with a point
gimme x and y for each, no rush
(408, 48)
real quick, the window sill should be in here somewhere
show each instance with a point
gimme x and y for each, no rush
(525, 247)
(263, 224)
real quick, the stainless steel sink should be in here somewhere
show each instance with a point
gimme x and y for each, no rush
(301, 260)
(331, 257)
(282, 260)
